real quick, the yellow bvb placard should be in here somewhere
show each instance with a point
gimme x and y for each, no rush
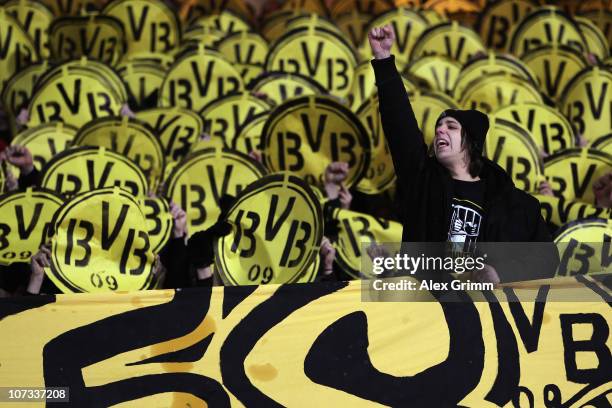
(83, 169)
(130, 138)
(603, 144)
(440, 72)
(19, 89)
(17, 50)
(159, 221)
(364, 85)
(25, 217)
(304, 135)
(498, 19)
(76, 94)
(35, 18)
(226, 21)
(558, 211)
(587, 102)
(357, 231)
(408, 26)
(96, 37)
(280, 86)
(318, 53)
(198, 78)
(177, 129)
(276, 232)
(586, 247)
(247, 51)
(554, 66)
(45, 141)
(224, 116)
(550, 130)
(249, 138)
(201, 179)
(151, 27)
(572, 172)
(143, 80)
(381, 173)
(491, 64)
(448, 39)
(596, 40)
(353, 26)
(546, 25)
(100, 244)
(511, 146)
(495, 91)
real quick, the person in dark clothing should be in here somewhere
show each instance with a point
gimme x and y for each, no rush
(452, 193)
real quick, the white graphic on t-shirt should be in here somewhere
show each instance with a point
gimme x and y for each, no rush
(464, 228)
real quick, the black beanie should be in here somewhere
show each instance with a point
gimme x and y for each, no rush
(475, 123)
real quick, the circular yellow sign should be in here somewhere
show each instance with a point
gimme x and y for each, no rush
(45, 141)
(511, 146)
(198, 183)
(225, 116)
(96, 37)
(318, 53)
(596, 40)
(357, 231)
(499, 18)
(225, 21)
(549, 129)
(25, 217)
(489, 93)
(247, 51)
(280, 86)
(572, 172)
(18, 49)
(304, 135)
(35, 18)
(492, 64)
(364, 85)
(585, 247)
(367, 7)
(248, 138)
(449, 39)
(554, 67)
(191, 11)
(204, 35)
(74, 95)
(83, 169)
(158, 220)
(603, 19)
(586, 101)
(381, 173)
(603, 144)
(100, 244)
(19, 89)
(198, 78)
(177, 129)
(558, 211)
(129, 137)
(408, 26)
(277, 229)
(440, 72)
(151, 27)
(353, 26)
(143, 80)
(546, 25)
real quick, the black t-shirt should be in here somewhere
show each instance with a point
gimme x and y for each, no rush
(466, 215)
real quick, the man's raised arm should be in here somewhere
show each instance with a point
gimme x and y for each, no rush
(400, 126)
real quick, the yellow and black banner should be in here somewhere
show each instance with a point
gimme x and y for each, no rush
(316, 344)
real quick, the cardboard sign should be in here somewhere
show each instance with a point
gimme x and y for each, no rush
(247, 51)
(100, 244)
(498, 19)
(199, 181)
(45, 141)
(306, 134)
(440, 72)
(277, 229)
(495, 91)
(25, 217)
(35, 18)
(587, 247)
(280, 86)
(17, 50)
(449, 39)
(158, 220)
(83, 169)
(143, 80)
(249, 137)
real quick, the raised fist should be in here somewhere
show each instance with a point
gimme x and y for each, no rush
(381, 40)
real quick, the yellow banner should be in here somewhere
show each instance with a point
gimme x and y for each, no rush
(314, 344)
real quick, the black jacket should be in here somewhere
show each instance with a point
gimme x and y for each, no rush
(425, 187)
